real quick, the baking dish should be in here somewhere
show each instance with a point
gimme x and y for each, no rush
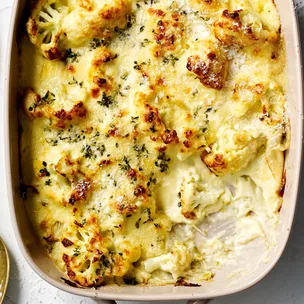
(222, 285)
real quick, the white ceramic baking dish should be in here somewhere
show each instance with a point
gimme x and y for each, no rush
(222, 285)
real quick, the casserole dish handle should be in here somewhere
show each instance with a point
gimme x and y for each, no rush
(189, 302)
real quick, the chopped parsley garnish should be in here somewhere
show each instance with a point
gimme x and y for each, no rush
(70, 56)
(44, 172)
(49, 97)
(141, 150)
(137, 223)
(106, 101)
(125, 164)
(76, 251)
(162, 162)
(152, 180)
(134, 119)
(48, 182)
(95, 43)
(195, 114)
(137, 66)
(124, 76)
(130, 20)
(74, 81)
(170, 59)
(101, 149)
(145, 42)
(147, 213)
(87, 151)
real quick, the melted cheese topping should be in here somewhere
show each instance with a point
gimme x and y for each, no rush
(153, 135)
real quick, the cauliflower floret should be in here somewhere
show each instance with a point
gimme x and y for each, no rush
(68, 168)
(232, 152)
(56, 25)
(36, 106)
(31, 103)
(198, 198)
(102, 258)
(96, 19)
(164, 27)
(175, 262)
(102, 72)
(246, 96)
(44, 26)
(210, 64)
(248, 24)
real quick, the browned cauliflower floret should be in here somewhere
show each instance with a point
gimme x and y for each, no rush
(102, 72)
(57, 25)
(36, 106)
(165, 29)
(210, 65)
(246, 96)
(31, 103)
(102, 259)
(246, 26)
(44, 26)
(232, 152)
(96, 19)
(151, 121)
(69, 168)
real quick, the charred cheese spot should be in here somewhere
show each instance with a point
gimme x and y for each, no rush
(189, 215)
(78, 111)
(140, 191)
(169, 137)
(126, 209)
(67, 243)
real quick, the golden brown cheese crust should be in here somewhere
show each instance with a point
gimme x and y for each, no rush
(140, 120)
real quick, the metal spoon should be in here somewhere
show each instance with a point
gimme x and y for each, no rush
(4, 270)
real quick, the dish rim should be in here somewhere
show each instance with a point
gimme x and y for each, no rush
(139, 297)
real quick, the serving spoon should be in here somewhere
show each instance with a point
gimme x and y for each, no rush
(4, 270)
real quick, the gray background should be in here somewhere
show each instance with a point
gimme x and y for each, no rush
(285, 284)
